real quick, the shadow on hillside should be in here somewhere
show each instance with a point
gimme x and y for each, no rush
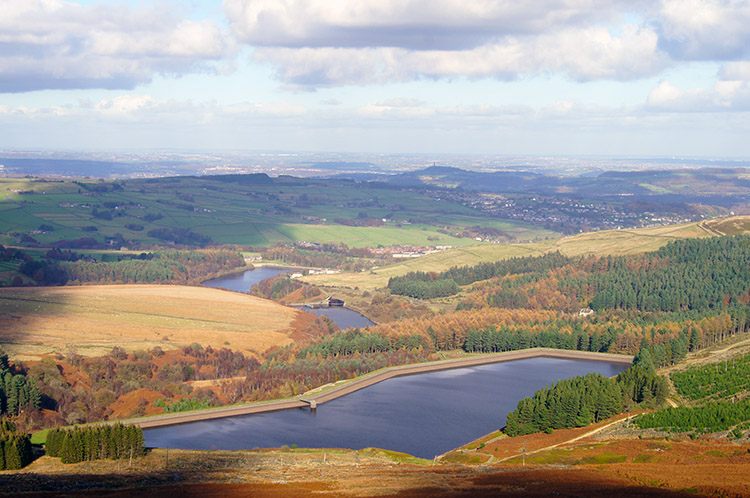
(229, 476)
(24, 311)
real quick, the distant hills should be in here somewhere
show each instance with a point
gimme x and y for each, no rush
(717, 186)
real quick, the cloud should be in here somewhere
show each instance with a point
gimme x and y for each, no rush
(392, 125)
(739, 70)
(704, 30)
(582, 53)
(408, 24)
(724, 96)
(52, 44)
(134, 109)
(317, 43)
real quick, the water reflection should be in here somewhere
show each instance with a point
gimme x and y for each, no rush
(423, 415)
(242, 282)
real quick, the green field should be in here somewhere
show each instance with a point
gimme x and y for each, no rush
(615, 242)
(253, 214)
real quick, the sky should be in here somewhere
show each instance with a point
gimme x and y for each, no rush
(542, 77)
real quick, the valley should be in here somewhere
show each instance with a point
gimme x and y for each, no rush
(106, 333)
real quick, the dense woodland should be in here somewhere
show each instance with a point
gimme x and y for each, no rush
(424, 285)
(60, 266)
(584, 400)
(15, 447)
(313, 255)
(284, 289)
(575, 402)
(691, 274)
(421, 285)
(98, 442)
(171, 266)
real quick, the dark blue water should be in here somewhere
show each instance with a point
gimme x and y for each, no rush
(242, 282)
(343, 317)
(423, 415)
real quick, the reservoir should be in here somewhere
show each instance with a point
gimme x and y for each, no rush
(423, 414)
(241, 282)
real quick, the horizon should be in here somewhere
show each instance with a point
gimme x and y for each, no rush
(164, 163)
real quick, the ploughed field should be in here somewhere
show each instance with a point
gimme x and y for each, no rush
(92, 320)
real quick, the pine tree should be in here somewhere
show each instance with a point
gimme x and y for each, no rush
(695, 340)
(13, 459)
(584, 417)
(11, 396)
(67, 451)
(35, 397)
(54, 441)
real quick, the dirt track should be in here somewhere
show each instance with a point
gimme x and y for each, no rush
(368, 380)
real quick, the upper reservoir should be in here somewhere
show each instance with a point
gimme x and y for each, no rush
(424, 415)
(241, 282)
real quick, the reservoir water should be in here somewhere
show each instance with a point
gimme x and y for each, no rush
(424, 415)
(241, 282)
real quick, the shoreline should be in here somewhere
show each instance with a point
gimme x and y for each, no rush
(350, 386)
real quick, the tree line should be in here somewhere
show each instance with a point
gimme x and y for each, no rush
(80, 444)
(161, 267)
(17, 392)
(587, 399)
(61, 267)
(493, 339)
(323, 256)
(284, 289)
(356, 341)
(690, 274)
(421, 285)
(15, 447)
(575, 402)
(427, 285)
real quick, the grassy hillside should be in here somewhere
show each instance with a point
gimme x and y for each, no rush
(91, 320)
(615, 242)
(249, 210)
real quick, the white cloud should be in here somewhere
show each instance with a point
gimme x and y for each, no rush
(739, 70)
(53, 44)
(409, 24)
(704, 29)
(724, 96)
(318, 43)
(567, 126)
(583, 53)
